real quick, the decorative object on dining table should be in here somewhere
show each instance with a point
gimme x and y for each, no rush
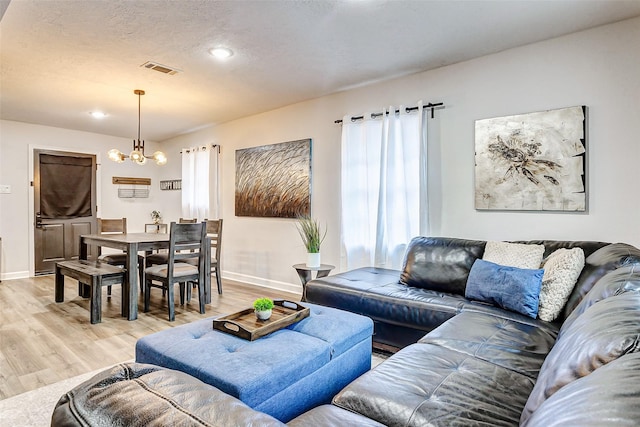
(312, 237)
(156, 217)
(245, 325)
(263, 308)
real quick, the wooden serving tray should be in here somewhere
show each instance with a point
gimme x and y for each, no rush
(245, 324)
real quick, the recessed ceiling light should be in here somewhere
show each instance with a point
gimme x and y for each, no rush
(221, 52)
(98, 114)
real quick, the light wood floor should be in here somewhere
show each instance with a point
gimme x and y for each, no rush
(42, 342)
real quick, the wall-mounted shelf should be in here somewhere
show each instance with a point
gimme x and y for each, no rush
(130, 181)
(171, 184)
(132, 192)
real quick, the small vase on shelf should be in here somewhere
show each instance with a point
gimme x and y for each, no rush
(313, 259)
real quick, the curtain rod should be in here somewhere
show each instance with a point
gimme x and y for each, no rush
(203, 146)
(430, 106)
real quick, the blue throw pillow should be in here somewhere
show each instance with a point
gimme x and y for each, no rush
(511, 288)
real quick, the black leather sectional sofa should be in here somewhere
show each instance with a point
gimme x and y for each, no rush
(461, 363)
(429, 290)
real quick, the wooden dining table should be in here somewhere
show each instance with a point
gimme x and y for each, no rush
(132, 243)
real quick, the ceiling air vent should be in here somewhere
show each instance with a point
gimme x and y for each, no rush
(161, 68)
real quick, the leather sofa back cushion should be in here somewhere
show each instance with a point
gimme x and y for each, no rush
(596, 265)
(606, 331)
(616, 282)
(440, 264)
(609, 396)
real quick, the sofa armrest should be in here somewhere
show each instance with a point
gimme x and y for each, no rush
(135, 394)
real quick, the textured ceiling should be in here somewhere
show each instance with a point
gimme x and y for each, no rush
(62, 59)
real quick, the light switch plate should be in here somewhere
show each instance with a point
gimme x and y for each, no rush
(5, 189)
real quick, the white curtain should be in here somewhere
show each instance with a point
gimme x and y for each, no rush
(200, 183)
(384, 187)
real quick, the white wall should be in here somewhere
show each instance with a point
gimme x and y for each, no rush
(17, 141)
(599, 68)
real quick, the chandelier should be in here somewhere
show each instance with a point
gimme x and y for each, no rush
(137, 155)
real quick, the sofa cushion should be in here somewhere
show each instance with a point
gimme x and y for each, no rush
(616, 282)
(514, 254)
(137, 394)
(332, 416)
(561, 271)
(604, 332)
(596, 265)
(511, 288)
(425, 384)
(440, 264)
(609, 396)
(518, 346)
(376, 293)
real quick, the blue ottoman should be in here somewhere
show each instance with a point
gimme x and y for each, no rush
(282, 374)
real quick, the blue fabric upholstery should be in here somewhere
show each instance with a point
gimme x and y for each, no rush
(511, 288)
(308, 362)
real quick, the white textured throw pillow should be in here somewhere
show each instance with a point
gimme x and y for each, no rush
(516, 255)
(561, 271)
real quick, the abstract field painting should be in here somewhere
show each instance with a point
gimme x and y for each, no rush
(274, 180)
(533, 162)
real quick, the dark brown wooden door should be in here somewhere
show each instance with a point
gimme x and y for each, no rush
(64, 203)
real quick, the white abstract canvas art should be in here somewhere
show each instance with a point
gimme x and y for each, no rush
(532, 162)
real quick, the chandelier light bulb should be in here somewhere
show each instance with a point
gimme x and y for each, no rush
(135, 155)
(160, 158)
(115, 155)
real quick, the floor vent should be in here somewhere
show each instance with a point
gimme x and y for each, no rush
(161, 68)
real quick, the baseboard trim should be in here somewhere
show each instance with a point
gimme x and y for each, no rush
(15, 275)
(260, 281)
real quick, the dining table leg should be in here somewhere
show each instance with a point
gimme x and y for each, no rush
(83, 288)
(131, 278)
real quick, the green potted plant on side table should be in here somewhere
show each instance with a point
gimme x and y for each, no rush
(262, 307)
(312, 238)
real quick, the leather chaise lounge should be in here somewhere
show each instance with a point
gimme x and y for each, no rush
(461, 362)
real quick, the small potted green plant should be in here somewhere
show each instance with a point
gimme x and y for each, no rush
(262, 307)
(312, 237)
(156, 217)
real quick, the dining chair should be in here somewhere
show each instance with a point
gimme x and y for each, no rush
(214, 234)
(183, 238)
(160, 258)
(117, 226)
